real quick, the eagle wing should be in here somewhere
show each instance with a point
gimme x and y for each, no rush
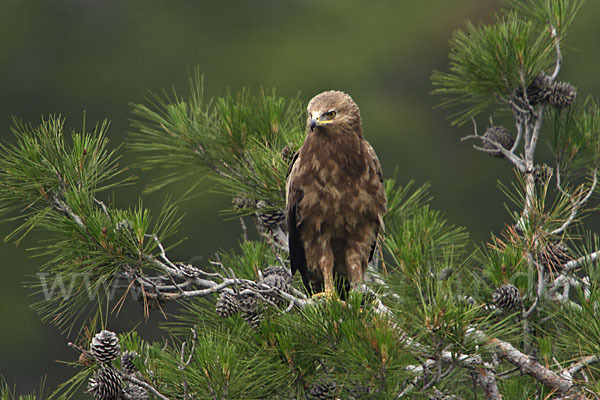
(376, 174)
(293, 197)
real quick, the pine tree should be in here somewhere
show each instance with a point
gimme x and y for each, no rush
(515, 318)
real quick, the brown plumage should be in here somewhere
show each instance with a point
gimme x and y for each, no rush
(335, 196)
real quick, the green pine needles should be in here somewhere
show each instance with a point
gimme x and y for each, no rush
(489, 63)
(238, 137)
(54, 180)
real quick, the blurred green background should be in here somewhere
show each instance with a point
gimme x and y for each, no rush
(69, 56)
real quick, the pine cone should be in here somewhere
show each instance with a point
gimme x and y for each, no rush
(500, 135)
(271, 223)
(249, 308)
(553, 256)
(269, 219)
(136, 392)
(227, 305)
(278, 282)
(539, 90)
(322, 390)
(277, 270)
(105, 347)
(563, 95)
(247, 302)
(278, 277)
(243, 202)
(105, 384)
(253, 318)
(127, 364)
(507, 297)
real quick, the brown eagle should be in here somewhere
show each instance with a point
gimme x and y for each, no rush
(335, 199)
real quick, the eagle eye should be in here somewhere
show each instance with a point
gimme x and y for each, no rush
(330, 114)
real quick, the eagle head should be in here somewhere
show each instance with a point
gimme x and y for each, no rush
(333, 112)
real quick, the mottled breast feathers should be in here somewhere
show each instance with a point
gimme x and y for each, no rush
(335, 200)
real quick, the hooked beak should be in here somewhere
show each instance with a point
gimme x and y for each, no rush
(314, 121)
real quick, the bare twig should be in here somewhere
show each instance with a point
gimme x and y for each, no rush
(529, 366)
(576, 367)
(558, 180)
(530, 151)
(576, 203)
(439, 395)
(541, 284)
(516, 161)
(133, 379)
(573, 264)
(558, 64)
(519, 127)
(65, 209)
(277, 255)
(525, 99)
(487, 380)
(183, 364)
(244, 229)
(202, 153)
(104, 209)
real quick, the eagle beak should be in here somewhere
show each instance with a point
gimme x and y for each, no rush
(314, 120)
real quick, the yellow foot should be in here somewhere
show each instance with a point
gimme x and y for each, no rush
(325, 295)
(321, 295)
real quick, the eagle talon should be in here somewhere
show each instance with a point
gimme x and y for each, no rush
(326, 295)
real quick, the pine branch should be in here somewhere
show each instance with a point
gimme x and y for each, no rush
(238, 138)
(529, 366)
(487, 63)
(571, 265)
(487, 381)
(150, 388)
(577, 203)
(509, 154)
(559, 57)
(569, 372)
(525, 363)
(183, 364)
